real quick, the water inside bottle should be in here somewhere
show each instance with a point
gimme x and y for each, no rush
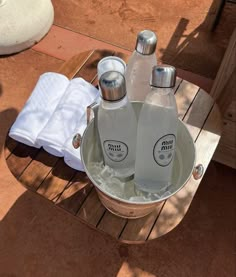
(155, 152)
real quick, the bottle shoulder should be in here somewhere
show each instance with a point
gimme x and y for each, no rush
(116, 111)
(114, 105)
(161, 98)
(121, 119)
(137, 58)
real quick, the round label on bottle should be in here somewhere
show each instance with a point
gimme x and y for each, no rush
(163, 151)
(115, 150)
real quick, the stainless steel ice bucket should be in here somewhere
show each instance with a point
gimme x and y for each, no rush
(183, 169)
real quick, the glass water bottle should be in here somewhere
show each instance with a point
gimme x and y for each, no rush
(156, 135)
(117, 124)
(140, 66)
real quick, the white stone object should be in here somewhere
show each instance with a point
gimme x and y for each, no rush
(23, 23)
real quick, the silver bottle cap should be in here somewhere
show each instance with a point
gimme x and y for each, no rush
(112, 86)
(146, 42)
(163, 76)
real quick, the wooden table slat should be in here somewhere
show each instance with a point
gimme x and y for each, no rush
(140, 228)
(92, 210)
(38, 170)
(112, 224)
(56, 181)
(184, 96)
(196, 117)
(89, 70)
(10, 145)
(20, 158)
(75, 193)
(177, 84)
(72, 66)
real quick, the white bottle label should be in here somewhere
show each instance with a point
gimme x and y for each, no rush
(116, 151)
(163, 151)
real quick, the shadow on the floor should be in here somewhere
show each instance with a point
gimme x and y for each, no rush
(39, 239)
(6, 118)
(189, 51)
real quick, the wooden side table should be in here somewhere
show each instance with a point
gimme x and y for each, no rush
(71, 190)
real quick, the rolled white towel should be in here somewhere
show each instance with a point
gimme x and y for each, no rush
(66, 118)
(39, 108)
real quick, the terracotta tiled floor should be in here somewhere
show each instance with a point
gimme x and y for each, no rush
(39, 239)
(182, 27)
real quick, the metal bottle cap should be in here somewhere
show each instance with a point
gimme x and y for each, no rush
(146, 42)
(112, 85)
(163, 76)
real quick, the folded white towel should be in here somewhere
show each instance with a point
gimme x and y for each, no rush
(66, 118)
(39, 108)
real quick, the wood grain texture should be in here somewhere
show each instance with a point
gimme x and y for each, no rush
(72, 66)
(20, 158)
(228, 93)
(92, 210)
(226, 155)
(89, 69)
(10, 145)
(112, 224)
(228, 133)
(184, 96)
(224, 73)
(56, 181)
(224, 92)
(196, 116)
(75, 193)
(37, 171)
(140, 228)
(230, 113)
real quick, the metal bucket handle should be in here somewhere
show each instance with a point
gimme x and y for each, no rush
(91, 112)
(198, 171)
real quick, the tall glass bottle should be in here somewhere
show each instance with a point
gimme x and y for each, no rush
(156, 135)
(117, 124)
(140, 66)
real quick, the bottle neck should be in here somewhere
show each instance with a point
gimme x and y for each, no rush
(144, 55)
(115, 104)
(162, 91)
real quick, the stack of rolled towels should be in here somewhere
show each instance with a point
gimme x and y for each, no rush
(53, 114)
